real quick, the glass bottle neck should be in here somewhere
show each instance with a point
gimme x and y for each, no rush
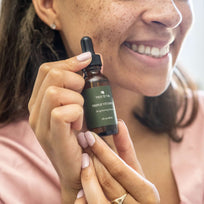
(92, 70)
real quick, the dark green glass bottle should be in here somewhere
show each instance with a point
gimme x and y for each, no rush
(99, 108)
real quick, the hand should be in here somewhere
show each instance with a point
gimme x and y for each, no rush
(115, 177)
(93, 191)
(56, 113)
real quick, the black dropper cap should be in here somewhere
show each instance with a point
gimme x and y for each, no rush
(87, 46)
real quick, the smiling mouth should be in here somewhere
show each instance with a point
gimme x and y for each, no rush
(148, 50)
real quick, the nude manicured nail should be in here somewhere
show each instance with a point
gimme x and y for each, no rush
(90, 138)
(82, 140)
(84, 56)
(85, 160)
(80, 193)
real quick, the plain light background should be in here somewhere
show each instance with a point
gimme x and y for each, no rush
(192, 55)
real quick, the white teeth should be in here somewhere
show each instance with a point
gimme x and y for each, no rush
(141, 49)
(164, 51)
(150, 51)
(155, 51)
(134, 47)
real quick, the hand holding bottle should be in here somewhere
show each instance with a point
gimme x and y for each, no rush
(106, 176)
(56, 113)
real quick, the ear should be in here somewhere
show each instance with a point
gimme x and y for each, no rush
(47, 12)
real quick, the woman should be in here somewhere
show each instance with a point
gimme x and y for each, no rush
(139, 42)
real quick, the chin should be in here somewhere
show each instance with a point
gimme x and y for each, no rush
(155, 90)
(156, 86)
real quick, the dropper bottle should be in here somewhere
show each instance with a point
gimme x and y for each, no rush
(99, 108)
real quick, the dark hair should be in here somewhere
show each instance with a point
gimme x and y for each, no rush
(160, 113)
(26, 42)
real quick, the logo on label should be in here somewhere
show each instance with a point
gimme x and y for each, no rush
(102, 92)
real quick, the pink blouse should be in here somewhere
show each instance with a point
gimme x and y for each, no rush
(28, 177)
(187, 160)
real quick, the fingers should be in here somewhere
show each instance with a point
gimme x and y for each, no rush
(57, 98)
(55, 75)
(131, 180)
(91, 186)
(57, 85)
(94, 188)
(80, 198)
(51, 76)
(52, 72)
(56, 113)
(58, 78)
(125, 147)
(111, 188)
(60, 113)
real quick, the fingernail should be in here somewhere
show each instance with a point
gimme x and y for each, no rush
(122, 121)
(82, 140)
(90, 138)
(85, 160)
(84, 56)
(80, 193)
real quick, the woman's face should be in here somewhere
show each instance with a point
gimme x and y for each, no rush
(138, 39)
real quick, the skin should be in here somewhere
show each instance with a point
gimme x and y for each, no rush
(121, 180)
(149, 22)
(144, 22)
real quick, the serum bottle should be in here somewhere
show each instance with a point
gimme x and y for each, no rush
(99, 108)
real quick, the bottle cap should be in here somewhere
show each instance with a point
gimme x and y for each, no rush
(87, 46)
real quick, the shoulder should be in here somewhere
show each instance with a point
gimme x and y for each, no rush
(187, 158)
(25, 171)
(18, 137)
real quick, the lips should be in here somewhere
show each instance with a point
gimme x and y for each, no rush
(156, 52)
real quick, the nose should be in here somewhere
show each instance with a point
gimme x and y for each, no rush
(163, 12)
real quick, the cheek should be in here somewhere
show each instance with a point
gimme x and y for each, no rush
(78, 18)
(113, 21)
(187, 18)
(182, 30)
(105, 21)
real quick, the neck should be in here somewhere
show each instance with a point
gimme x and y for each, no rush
(126, 101)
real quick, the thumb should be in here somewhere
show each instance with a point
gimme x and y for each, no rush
(125, 147)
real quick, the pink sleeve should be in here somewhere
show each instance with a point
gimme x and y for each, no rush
(26, 174)
(187, 160)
